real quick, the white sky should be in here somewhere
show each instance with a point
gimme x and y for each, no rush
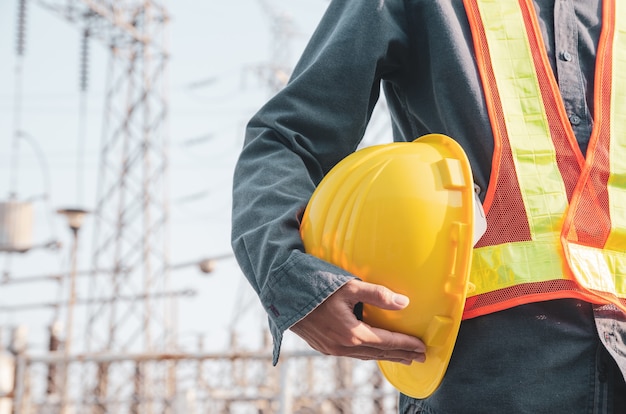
(209, 39)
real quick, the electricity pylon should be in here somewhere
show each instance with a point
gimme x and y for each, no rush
(131, 210)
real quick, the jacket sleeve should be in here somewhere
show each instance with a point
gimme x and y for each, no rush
(295, 139)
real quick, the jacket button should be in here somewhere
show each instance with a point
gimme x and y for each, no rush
(574, 119)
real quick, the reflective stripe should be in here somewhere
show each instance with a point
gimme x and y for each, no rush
(534, 155)
(617, 182)
(599, 270)
(505, 265)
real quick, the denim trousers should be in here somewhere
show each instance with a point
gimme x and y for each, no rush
(545, 357)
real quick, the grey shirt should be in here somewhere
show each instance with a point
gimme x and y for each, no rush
(420, 52)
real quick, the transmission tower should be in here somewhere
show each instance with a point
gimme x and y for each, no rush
(276, 73)
(131, 306)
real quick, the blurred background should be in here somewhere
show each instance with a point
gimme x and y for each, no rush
(120, 123)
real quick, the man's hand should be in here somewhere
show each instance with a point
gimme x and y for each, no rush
(333, 329)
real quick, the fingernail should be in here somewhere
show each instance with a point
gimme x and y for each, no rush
(400, 300)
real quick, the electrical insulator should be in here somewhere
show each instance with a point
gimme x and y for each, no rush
(20, 44)
(84, 61)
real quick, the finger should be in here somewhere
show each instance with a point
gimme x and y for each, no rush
(377, 295)
(368, 353)
(387, 340)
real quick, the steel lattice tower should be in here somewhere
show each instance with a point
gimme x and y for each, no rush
(130, 308)
(282, 31)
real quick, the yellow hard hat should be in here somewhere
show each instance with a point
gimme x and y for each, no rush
(402, 215)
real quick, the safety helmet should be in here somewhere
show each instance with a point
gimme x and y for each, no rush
(402, 215)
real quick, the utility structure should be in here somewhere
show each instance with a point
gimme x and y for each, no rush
(130, 234)
(276, 72)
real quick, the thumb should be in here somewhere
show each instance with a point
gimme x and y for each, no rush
(379, 296)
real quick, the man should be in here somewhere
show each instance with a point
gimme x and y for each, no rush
(516, 83)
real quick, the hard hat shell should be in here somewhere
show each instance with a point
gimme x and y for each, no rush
(401, 215)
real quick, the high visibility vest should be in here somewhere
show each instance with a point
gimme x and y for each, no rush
(556, 219)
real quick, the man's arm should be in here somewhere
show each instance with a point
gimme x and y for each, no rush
(292, 142)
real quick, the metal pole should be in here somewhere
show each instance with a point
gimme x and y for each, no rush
(75, 220)
(69, 322)
(53, 346)
(20, 374)
(285, 396)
